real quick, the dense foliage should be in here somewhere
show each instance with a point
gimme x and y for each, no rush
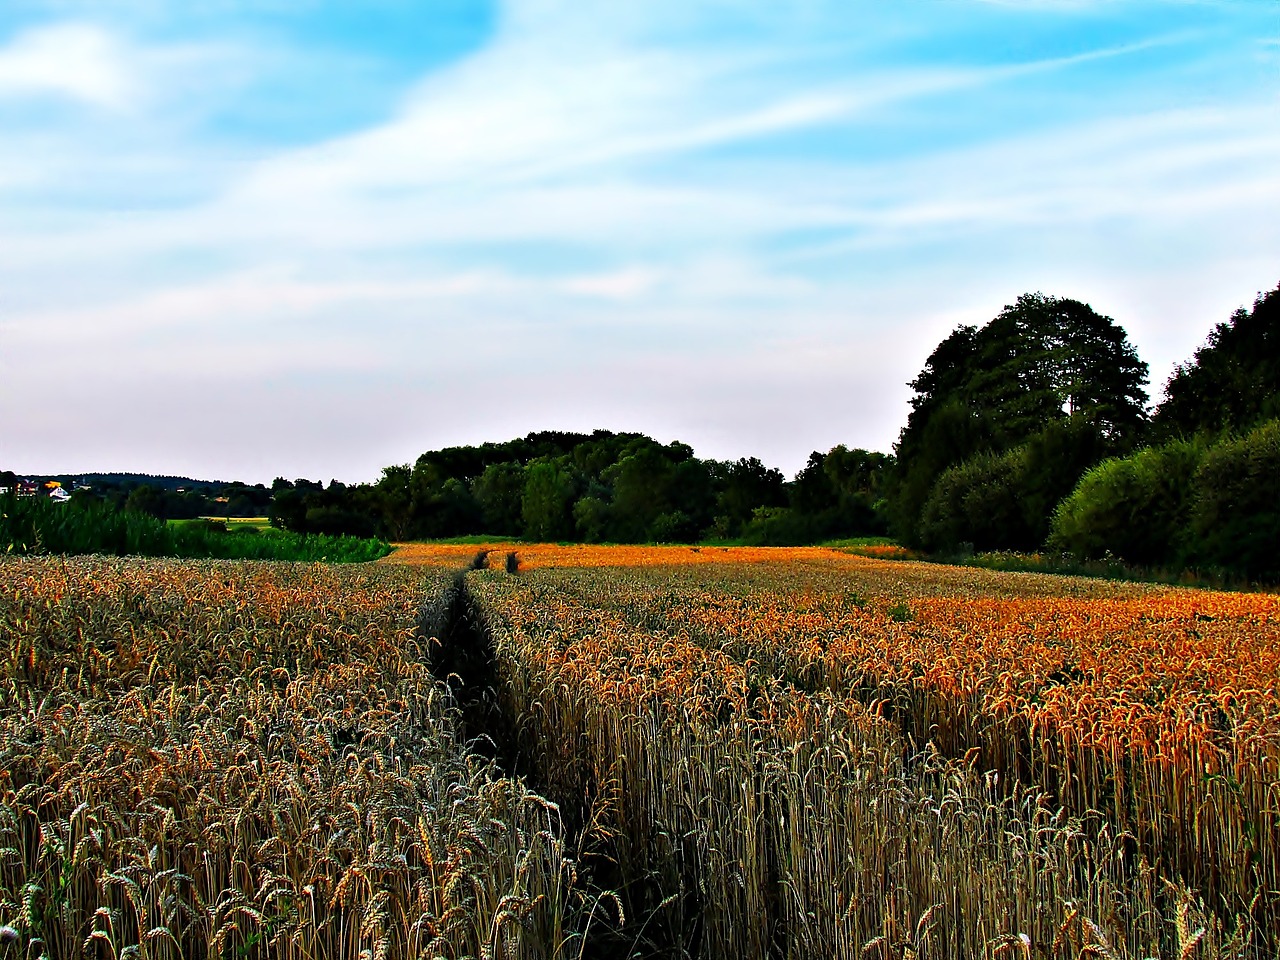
(598, 487)
(1031, 432)
(1233, 381)
(1042, 363)
(975, 503)
(1135, 508)
(1207, 505)
(1235, 514)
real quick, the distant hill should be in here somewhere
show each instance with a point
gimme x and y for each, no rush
(128, 480)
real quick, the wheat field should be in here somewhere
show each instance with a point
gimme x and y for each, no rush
(214, 759)
(659, 752)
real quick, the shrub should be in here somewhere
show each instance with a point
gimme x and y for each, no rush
(978, 502)
(674, 527)
(1133, 507)
(778, 527)
(1235, 518)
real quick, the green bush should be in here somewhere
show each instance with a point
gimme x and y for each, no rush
(978, 503)
(36, 525)
(1056, 458)
(1132, 507)
(674, 527)
(591, 519)
(778, 527)
(1235, 516)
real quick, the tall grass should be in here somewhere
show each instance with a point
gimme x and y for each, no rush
(39, 526)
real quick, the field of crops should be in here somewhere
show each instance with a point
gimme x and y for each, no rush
(532, 556)
(213, 759)
(743, 752)
(836, 756)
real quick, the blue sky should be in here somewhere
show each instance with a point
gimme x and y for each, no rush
(315, 238)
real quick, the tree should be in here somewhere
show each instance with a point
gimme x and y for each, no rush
(393, 497)
(146, 499)
(641, 483)
(990, 390)
(547, 501)
(838, 493)
(746, 484)
(591, 518)
(441, 506)
(1233, 381)
(1053, 460)
(693, 494)
(499, 492)
(338, 521)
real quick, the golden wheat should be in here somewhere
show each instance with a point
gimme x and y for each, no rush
(249, 760)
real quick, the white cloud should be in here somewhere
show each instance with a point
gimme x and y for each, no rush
(78, 61)
(625, 284)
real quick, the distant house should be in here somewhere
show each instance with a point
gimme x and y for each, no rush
(28, 488)
(5, 491)
(58, 495)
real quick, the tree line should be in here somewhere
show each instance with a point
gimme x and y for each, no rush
(597, 487)
(1032, 432)
(165, 498)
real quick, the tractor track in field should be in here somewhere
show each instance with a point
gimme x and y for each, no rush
(464, 661)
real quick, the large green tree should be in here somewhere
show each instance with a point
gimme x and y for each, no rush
(1233, 381)
(547, 504)
(391, 501)
(743, 486)
(1042, 360)
(500, 492)
(838, 493)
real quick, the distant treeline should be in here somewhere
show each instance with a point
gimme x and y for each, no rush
(1032, 432)
(598, 487)
(550, 485)
(164, 497)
